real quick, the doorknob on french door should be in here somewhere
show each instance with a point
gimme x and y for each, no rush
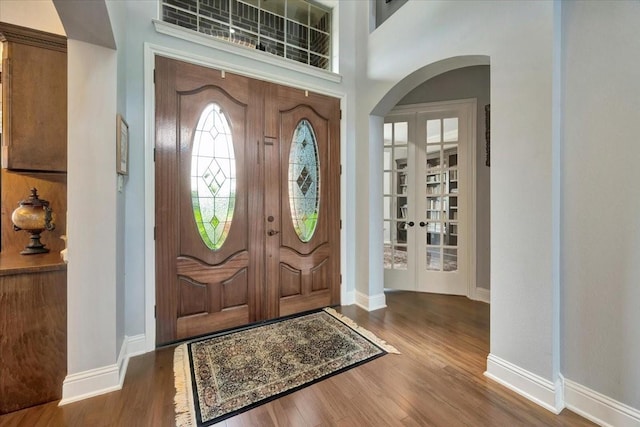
(272, 232)
(411, 223)
(422, 224)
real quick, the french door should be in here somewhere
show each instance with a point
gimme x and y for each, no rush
(427, 187)
(247, 200)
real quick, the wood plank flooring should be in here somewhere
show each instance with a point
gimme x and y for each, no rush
(436, 381)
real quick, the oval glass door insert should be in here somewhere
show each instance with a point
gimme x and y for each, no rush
(304, 181)
(213, 177)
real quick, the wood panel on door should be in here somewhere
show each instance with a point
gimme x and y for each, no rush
(200, 290)
(301, 275)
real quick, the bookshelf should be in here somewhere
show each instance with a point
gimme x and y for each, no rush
(442, 197)
(401, 192)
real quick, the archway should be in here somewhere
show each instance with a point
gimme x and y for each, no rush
(376, 122)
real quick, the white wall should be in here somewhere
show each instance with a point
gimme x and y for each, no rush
(463, 83)
(518, 37)
(95, 284)
(117, 16)
(601, 201)
(368, 268)
(351, 64)
(91, 192)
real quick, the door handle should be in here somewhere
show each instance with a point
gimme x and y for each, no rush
(272, 232)
(411, 223)
(422, 224)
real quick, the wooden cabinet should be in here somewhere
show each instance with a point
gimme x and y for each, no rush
(33, 295)
(34, 100)
(33, 330)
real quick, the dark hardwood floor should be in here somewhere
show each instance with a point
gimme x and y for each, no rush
(436, 381)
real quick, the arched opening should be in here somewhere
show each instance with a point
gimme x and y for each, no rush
(451, 79)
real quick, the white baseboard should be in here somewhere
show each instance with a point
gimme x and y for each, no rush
(482, 294)
(533, 387)
(105, 379)
(90, 383)
(370, 303)
(599, 408)
(348, 298)
(136, 345)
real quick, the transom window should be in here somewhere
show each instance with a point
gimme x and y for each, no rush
(293, 29)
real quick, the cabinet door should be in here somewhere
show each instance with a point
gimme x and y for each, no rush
(33, 337)
(34, 100)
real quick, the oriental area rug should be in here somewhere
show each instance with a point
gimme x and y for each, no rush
(222, 375)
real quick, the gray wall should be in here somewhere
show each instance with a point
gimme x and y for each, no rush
(600, 232)
(469, 82)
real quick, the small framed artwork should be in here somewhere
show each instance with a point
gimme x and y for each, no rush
(122, 146)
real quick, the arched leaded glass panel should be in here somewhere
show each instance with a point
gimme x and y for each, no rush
(213, 177)
(304, 181)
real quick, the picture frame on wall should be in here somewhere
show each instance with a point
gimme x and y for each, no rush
(487, 134)
(122, 146)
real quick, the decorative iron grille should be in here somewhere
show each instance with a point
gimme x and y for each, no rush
(293, 29)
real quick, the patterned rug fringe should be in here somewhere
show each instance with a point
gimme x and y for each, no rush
(362, 331)
(183, 402)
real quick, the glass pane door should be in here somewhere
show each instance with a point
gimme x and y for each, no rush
(442, 146)
(441, 190)
(442, 250)
(426, 197)
(395, 194)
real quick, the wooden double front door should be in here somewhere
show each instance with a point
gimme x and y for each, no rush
(247, 200)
